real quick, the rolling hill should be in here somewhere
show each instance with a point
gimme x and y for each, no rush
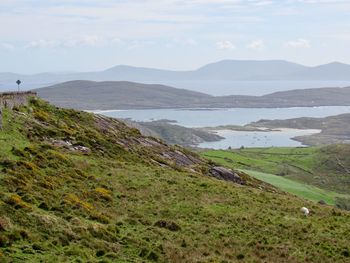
(90, 95)
(78, 187)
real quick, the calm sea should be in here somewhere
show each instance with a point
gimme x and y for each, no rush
(216, 117)
(237, 116)
(236, 139)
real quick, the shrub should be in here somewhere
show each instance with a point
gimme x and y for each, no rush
(74, 200)
(168, 225)
(100, 253)
(343, 203)
(5, 223)
(7, 163)
(41, 115)
(3, 241)
(99, 217)
(28, 165)
(104, 193)
(17, 202)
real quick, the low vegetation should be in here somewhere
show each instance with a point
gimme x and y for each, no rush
(298, 188)
(314, 173)
(77, 187)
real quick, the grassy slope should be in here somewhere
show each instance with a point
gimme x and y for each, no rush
(324, 167)
(118, 204)
(300, 189)
(291, 186)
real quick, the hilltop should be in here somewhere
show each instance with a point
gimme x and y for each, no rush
(82, 187)
(90, 95)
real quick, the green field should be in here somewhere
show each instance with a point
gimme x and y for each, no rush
(300, 189)
(300, 171)
(324, 167)
(270, 160)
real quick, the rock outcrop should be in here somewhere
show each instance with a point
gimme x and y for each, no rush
(223, 173)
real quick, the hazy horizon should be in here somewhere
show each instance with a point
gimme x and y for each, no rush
(56, 36)
(169, 69)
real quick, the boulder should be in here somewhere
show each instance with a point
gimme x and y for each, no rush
(226, 174)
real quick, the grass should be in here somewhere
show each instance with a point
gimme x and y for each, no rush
(125, 201)
(323, 167)
(300, 189)
(272, 160)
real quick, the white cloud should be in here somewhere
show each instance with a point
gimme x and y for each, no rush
(323, 1)
(263, 3)
(107, 26)
(131, 19)
(186, 41)
(257, 44)
(140, 44)
(90, 41)
(298, 43)
(116, 40)
(79, 41)
(226, 44)
(7, 46)
(42, 43)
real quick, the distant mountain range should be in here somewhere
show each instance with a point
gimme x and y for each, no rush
(90, 95)
(242, 70)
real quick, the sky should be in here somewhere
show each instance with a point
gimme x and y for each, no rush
(88, 35)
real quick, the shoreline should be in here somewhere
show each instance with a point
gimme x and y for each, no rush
(97, 111)
(262, 139)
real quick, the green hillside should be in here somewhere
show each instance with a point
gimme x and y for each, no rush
(300, 189)
(78, 187)
(326, 167)
(314, 173)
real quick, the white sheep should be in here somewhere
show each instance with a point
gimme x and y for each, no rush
(305, 211)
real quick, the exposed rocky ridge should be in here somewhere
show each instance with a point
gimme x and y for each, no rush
(173, 156)
(175, 134)
(130, 140)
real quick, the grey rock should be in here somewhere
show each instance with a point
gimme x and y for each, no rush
(226, 174)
